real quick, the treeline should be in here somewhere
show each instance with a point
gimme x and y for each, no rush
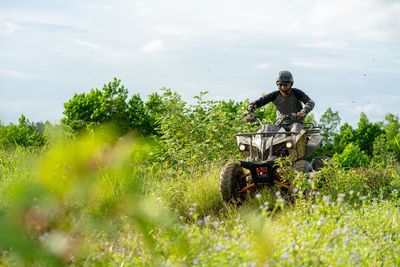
(189, 134)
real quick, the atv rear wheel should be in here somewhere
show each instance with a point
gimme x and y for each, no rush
(302, 166)
(319, 162)
(231, 182)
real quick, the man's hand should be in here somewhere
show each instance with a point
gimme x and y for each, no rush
(301, 114)
(247, 117)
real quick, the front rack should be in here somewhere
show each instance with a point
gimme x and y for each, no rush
(310, 128)
(263, 134)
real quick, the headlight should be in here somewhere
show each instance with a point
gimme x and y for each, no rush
(289, 144)
(242, 147)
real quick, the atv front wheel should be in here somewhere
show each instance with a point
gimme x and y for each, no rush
(302, 166)
(231, 182)
(319, 162)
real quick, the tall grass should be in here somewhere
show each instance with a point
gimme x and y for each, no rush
(102, 200)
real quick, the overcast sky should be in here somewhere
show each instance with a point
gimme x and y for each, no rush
(344, 54)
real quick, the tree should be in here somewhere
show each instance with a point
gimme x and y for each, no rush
(138, 117)
(310, 119)
(329, 121)
(351, 156)
(108, 105)
(366, 133)
(391, 126)
(23, 134)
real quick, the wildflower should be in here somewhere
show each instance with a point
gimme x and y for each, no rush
(362, 197)
(194, 204)
(195, 261)
(280, 200)
(200, 221)
(395, 191)
(266, 203)
(206, 219)
(191, 209)
(217, 248)
(351, 192)
(326, 198)
(277, 193)
(258, 195)
(261, 207)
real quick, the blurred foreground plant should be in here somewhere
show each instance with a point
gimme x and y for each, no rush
(77, 191)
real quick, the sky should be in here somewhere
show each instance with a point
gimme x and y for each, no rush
(344, 54)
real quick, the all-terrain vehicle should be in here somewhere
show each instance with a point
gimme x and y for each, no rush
(260, 150)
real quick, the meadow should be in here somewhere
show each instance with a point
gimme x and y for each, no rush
(98, 200)
(102, 196)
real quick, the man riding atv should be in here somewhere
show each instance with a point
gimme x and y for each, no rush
(287, 137)
(287, 100)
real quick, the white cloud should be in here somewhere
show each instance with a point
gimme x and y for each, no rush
(17, 74)
(311, 64)
(7, 27)
(262, 66)
(87, 44)
(338, 39)
(327, 44)
(368, 108)
(153, 46)
(107, 7)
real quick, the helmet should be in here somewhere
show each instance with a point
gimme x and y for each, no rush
(284, 76)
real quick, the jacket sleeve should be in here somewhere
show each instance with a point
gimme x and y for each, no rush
(308, 103)
(262, 101)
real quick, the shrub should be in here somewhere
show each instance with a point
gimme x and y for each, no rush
(23, 134)
(351, 156)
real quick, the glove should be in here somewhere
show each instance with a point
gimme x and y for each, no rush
(301, 114)
(251, 108)
(246, 118)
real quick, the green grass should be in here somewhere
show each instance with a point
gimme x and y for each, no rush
(101, 201)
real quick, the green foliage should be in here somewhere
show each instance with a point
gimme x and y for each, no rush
(392, 131)
(329, 121)
(108, 105)
(99, 200)
(310, 119)
(351, 156)
(194, 134)
(76, 190)
(336, 142)
(366, 133)
(23, 134)
(103, 199)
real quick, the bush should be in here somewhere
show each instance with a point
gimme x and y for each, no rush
(351, 156)
(23, 134)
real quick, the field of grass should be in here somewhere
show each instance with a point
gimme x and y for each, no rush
(104, 201)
